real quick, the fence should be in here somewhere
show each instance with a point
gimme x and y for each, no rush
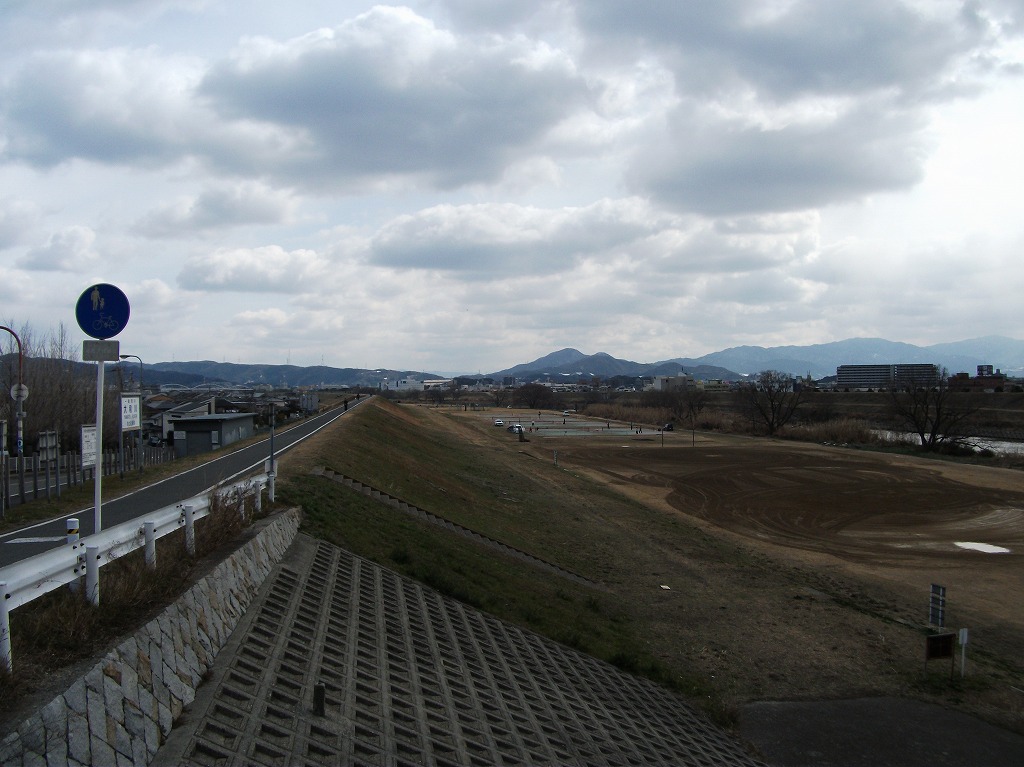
(29, 478)
(31, 578)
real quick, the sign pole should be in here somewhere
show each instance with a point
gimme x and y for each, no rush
(102, 312)
(98, 468)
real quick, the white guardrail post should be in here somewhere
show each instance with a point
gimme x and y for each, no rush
(92, 575)
(31, 578)
(190, 529)
(72, 535)
(149, 532)
(6, 662)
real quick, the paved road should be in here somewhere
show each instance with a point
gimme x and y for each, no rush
(29, 541)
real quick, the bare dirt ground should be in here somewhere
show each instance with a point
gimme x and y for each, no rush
(791, 571)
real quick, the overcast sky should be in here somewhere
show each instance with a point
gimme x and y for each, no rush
(461, 185)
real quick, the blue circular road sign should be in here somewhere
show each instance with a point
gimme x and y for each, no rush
(102, 311)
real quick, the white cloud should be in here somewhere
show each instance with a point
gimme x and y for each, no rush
(462, 185)
(485, 241)
(268, 269)
(16, 220)
(219, 207)
(69, 250)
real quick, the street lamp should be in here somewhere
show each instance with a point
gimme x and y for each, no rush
(136, 357)
(19, 393)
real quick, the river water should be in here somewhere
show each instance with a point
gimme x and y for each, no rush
(1002, 447)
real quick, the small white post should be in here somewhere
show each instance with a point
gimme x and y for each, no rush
(92, 575)
(71, 530)
(271, 479)
(190, 530)
(6, 661)
(149, 530)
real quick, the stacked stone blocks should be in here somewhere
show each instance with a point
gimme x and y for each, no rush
(122, 710)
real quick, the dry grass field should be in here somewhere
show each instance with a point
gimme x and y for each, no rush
(790, 571)
(749, 569)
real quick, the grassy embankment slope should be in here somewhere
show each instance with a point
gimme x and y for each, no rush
(739, 623)
(487, 485)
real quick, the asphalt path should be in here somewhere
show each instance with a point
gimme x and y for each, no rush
(42, 536)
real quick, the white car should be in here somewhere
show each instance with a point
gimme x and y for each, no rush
(498, 422)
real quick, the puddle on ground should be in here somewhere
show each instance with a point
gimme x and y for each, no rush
(986, 548)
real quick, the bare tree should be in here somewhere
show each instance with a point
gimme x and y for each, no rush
(688, 405)
(62, 393)
(932, 409)
(773, 397)
(534, 396)
(502, 397)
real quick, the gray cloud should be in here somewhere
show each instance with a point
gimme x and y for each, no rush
(783, 51)
(485, 241)
(16, 219)
(267, 269)
(109, 106)
(216, 208)
(726, 168)
(390, 94)
(69, 250)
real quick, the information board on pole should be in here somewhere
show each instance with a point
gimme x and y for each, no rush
(131, 419)
(49, 445)
(88, 446)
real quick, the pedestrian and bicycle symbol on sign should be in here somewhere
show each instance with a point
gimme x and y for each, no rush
(102, 311)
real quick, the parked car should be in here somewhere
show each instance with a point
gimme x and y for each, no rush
(668, 427)
(566, 412)
(515, 428)
(498, 422)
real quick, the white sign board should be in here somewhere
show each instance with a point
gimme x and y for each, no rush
(88, 446)
(131, 416)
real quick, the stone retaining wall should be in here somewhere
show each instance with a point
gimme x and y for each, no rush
(122, 710)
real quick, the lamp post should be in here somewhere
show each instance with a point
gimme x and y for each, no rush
(136, 357)
(19, 392)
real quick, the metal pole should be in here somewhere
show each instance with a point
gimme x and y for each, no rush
(21, 392)
(137, 357)
(120, 442)
(98, 472)
(272, 472)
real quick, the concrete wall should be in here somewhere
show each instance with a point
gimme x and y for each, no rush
(122, 710)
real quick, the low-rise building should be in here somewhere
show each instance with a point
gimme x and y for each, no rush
(203, 433)
(885, 376)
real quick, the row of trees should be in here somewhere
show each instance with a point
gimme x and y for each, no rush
(932, 409)
(62, 393)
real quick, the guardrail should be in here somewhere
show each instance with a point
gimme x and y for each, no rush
(31, 578)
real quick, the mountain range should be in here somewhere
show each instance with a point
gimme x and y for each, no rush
(818, 360)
